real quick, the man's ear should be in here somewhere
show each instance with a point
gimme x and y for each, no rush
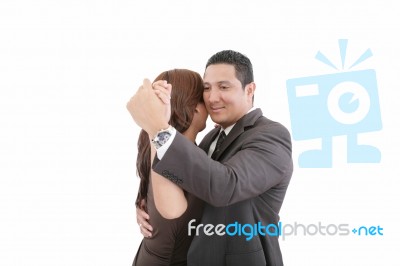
(250, 89)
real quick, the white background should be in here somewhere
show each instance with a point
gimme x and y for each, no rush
(68, 145)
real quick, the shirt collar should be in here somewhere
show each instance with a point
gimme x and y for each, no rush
(228, 129)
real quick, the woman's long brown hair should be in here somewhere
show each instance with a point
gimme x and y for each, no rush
(187, 92)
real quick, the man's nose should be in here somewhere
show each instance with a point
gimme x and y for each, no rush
(213, 95)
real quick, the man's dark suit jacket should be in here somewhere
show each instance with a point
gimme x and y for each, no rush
(246, 184)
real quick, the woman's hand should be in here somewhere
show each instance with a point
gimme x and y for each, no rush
(163, 90)
(142, 219)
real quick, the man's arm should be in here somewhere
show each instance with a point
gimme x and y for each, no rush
(150, 108)
(263, 161)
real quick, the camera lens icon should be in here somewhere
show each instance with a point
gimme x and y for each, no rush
(348, 102)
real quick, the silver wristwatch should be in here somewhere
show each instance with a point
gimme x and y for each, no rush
(162, 137)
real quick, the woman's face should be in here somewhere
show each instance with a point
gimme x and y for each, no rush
(200, 117)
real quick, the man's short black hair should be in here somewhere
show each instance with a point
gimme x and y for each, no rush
(242, 64)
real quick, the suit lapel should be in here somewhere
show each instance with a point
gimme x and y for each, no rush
(246, 121)
(209, 138)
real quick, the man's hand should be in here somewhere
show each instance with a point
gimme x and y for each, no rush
(150, 108)
(142, 219)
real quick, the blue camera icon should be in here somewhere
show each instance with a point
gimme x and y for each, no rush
(325, 106)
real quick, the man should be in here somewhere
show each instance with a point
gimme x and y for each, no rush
(243, 180)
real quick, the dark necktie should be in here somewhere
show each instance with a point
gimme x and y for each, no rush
(221, 138)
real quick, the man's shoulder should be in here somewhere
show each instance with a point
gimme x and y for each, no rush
(267, 129)
(264, 123)
(256, 118)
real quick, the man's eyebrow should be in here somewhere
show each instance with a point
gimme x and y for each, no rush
(218, 82)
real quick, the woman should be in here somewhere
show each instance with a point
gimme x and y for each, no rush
(169, 207)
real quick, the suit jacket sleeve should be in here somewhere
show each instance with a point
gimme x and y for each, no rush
(262, 161)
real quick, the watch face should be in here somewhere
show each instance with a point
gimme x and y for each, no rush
(161, 138)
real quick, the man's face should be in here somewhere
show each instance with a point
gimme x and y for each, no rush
(226, 101)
